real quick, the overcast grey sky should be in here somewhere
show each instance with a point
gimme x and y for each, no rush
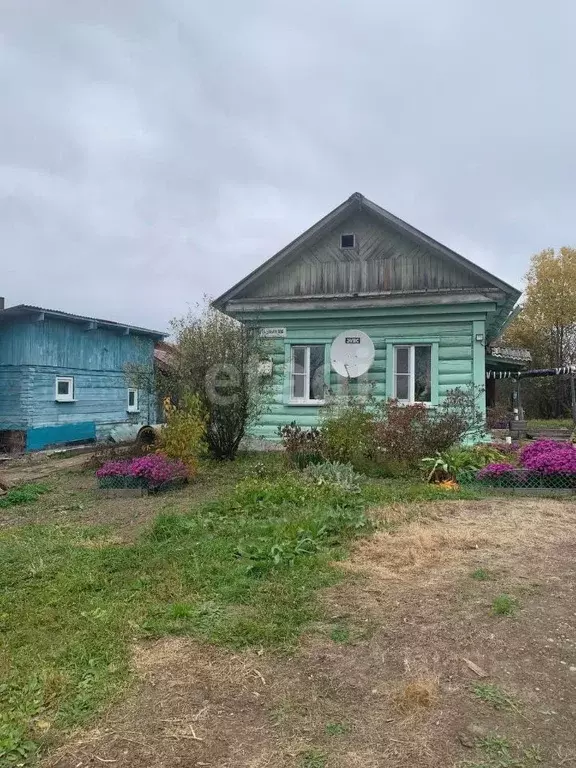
(155, 150)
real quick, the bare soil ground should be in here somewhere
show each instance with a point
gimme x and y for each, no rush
(386, 680)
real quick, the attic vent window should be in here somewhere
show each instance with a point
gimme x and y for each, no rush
(347, 241)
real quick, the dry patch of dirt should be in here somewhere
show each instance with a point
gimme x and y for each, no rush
(396, 690)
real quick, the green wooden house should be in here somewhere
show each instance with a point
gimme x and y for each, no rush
(431, 314)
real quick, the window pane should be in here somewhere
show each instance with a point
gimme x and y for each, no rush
(131, 398)
(402, 359)
(298, 359)
(298, 384)
(402, 387)
(63, 387)
(316, 372)
(422, 377)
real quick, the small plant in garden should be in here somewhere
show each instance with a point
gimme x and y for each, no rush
(336, 474)
(447, 465)
(152, 472)
(494, 695)
(504, 605)
(183, 435)
(480, 574)
(303, 446)
(23, 494)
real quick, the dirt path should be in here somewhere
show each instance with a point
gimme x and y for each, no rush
(384, 682)
(30, 471)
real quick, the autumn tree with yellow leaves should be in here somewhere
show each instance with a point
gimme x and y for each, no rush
(547, 325)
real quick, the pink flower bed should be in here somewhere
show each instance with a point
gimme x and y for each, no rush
(542, 458)
(150, 471)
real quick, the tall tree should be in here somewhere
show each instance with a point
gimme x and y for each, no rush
(547, 323)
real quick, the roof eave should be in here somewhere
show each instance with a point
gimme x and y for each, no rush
(22, 310)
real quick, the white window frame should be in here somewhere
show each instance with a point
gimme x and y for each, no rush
(348, 234)
(306, 375)
(69, 397)
(411, 374)
(136, 407)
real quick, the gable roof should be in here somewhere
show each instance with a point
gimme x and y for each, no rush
(358, 202)
(24, 310)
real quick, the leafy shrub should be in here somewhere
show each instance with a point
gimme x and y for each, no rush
(183, 435)
(302, 445)
(456, 417)
(399, 432)
(463, 460)
(153, 471)
(347, 429)
(335, 474)
(452, 463)
(497, 417)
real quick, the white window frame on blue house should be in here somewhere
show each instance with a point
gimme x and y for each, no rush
(133, 407)
(67, 397)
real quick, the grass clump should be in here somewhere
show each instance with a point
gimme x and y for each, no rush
(340, 635)
(313, 758)
(480, 574)
(335, 729)
(505, 605)
(494, 695)
(500, 753)
(23, 494)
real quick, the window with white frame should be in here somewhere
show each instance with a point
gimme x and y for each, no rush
(307, 373)
(413, 373)
(132, 400)
(64, 389)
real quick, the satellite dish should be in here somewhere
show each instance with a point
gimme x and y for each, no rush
(352, 353)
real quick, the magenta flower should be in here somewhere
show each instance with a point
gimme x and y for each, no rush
(154, 469)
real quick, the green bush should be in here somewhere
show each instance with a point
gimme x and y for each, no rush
(333, 473)
(347, 430)
(302, 446)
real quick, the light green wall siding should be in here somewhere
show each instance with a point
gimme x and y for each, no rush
(458, 360)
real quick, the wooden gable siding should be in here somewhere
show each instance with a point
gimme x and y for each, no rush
(383, 261)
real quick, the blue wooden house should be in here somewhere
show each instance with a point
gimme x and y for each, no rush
(63, 377)
(432, 315)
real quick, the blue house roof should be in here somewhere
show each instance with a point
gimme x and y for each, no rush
(27, 310)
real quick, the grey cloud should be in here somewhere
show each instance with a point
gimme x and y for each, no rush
(153, 151)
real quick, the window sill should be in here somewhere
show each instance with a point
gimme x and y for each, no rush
(416, 402)
(132, 410)
(306, 402)
(68, 400)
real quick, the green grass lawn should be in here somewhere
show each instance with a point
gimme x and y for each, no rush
(550, 424)
(239, 570)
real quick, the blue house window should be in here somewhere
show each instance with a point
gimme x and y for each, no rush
(64, 389)
(132, 400)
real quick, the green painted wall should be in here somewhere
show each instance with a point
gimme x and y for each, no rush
(452, 330)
